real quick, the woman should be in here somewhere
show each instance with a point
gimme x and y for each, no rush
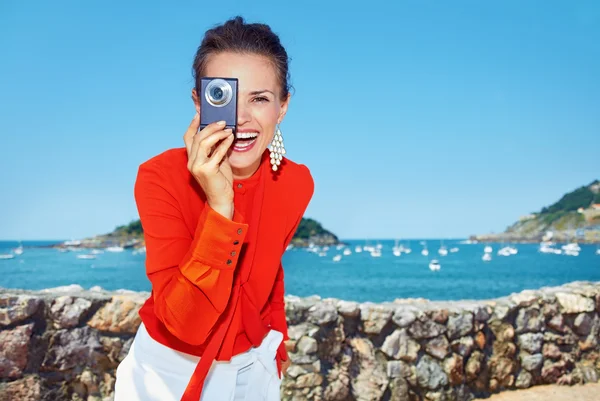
(218, 215)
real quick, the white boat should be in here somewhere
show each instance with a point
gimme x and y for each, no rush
(358, 249)
(504, 251)
(443, 251)
(512, 250)
(339, 247)
(18, 250)
(115, 249)
(96, 251)
(5, 256)
(486, 257)
(322, 254)
(571, 252)
(376, 253)
(434, 265)
(572, 247)
(337, 258)
(488, 249)
(347, 252)
(598, 250)
(86, 256)
(453, 250)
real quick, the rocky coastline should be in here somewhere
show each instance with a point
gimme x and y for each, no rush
(65, 344)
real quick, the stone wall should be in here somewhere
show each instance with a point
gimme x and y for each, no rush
(65, 344)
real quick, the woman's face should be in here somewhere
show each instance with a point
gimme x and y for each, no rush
(259, 107)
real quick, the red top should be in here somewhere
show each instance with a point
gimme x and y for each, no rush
(217, 284)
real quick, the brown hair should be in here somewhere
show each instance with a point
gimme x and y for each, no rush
(237, 36)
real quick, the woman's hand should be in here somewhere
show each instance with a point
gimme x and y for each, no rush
(285, 365)
(207, 161)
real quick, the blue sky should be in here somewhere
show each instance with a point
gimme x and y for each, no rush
(485, 111)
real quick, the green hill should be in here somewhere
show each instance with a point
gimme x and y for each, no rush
(309, 230)
(576, 212)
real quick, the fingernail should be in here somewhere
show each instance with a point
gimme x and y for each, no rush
(228, 130)
(221, 123)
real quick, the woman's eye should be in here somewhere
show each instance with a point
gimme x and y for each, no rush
(261, 99)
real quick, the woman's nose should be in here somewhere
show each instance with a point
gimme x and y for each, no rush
(243, 114)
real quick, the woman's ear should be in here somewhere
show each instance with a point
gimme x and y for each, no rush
(195, 100)
(284, 108)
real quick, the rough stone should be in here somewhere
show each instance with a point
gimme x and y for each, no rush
(309, 380)
(531, 362)
(557, 323)
(27, 389)
(551, 351)
(75, 348)
(566, 339)
(374, 317)
(399, 345)
(322, 313)
(504, 332)
(438, 347)
(524, 380)
(583, 324)
(529, 320)
(14, 348)
(426, 329)
(16, 308)
(67, 311)
(371, 379)
(473, 366)
(531, 342)
(348, 309)
(502, 369)
(552, 371)
(463, 346)
(303, 329)
(430, 374)
(573, 303)
(439, 316)
(307, 345)
(480, 340)
(460, 325)
(453, 367)
(404, 316)
(506, 350)
(399, 389)
(120, 315)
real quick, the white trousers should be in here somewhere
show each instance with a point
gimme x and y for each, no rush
(154, 372)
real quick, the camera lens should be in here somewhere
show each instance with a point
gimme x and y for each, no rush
(218, 92)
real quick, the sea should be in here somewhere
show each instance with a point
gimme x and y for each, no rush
(357, 276)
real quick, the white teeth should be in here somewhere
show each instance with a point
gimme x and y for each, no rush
(246, 135)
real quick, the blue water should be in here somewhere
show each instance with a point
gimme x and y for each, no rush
(358, 277)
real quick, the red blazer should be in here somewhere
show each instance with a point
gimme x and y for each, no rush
(217, 284)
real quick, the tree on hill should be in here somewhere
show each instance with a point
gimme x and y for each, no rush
(581, 197)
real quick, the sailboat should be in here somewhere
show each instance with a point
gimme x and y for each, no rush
(487, 256)
(337, 258)
(434, 265)
(424, 252)
(396, 250)
(5, 256)
(18, 250)
(443, 251)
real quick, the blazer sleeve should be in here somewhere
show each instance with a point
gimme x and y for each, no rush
(278, 316)
(191, 273)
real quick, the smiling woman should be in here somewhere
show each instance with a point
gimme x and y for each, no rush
(217, 216)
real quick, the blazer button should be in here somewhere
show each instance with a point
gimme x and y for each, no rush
(228, 261)
(239, 185)
(236, 242)
(240, 230)
(233, 253)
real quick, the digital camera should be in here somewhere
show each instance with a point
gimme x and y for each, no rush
(218, 101)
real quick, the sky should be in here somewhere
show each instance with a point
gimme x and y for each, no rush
(417, 119)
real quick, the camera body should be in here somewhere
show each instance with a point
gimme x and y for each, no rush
(218, 101)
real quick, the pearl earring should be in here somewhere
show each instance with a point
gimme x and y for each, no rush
(277, 149)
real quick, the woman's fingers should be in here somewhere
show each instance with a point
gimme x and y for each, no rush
(220, 151)
(200, 136)
(206, 147)
(188, 137)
